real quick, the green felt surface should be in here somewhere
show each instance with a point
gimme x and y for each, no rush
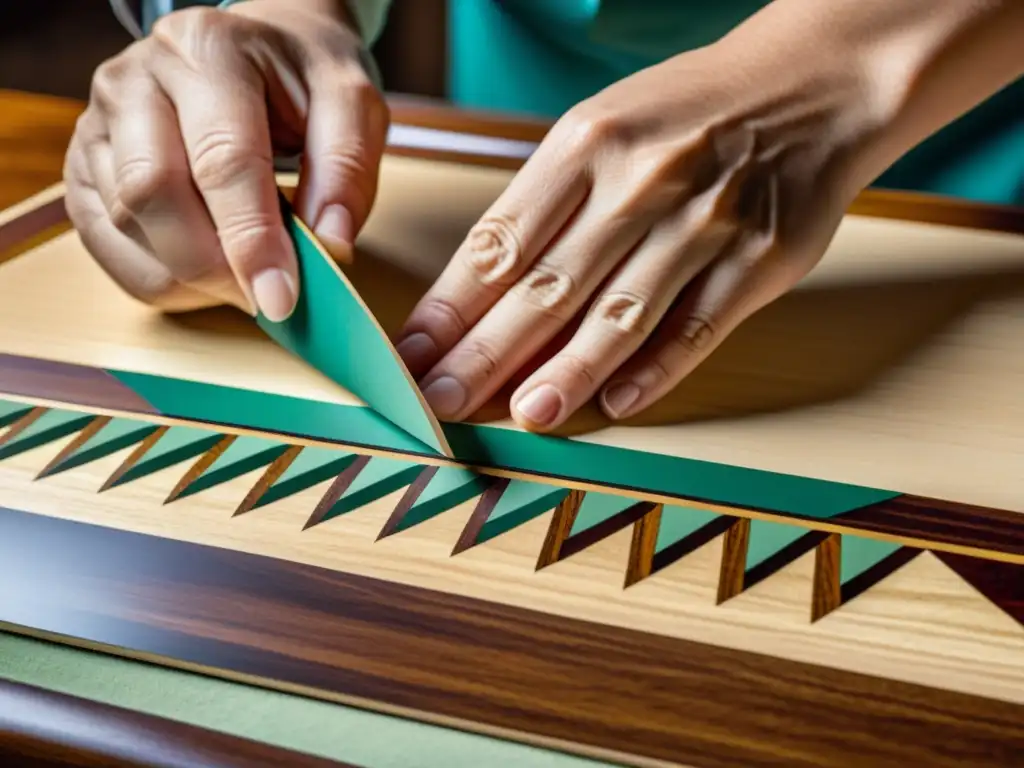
(293, 722)
(333, 331)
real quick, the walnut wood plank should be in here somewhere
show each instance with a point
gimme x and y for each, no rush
(47, 729)
(541, 678)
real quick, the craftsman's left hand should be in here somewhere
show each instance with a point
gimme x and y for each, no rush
(664, 210)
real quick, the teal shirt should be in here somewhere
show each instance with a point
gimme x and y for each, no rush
(542, 56)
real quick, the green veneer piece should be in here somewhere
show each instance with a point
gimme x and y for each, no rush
(375, 481)
(658, 473)
(333, 330)
(519, 503)
(311, 466)
(10, 412)
(116, 435)
(768, 539)
(195, 400)
(52, 425)
(677, 523)
(449, 487)
(509, 449)
(176, 445)
(857, 554)
(243, 455)
(598, 507)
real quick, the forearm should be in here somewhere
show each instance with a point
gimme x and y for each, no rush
(920, 65)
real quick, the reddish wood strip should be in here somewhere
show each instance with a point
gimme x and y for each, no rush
(335, 491)
(642, 546)
(48, 729)
(68, 383)
(826, 594)
(558, 531)
(734, 560)
(588, 687)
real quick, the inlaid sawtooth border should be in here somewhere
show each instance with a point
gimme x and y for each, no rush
(912, 521)
(753, 550)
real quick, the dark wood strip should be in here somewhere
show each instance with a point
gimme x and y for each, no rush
(411, 495)
(782, 558)
(65, 382)
(268, 478)
(133, 458)
(558, 531)
(641, 549)
(949, 522)
(31, 223)
(604, 529)
(199, 466)
(534, 676)
(1001, 583)
(77, 442)
(46, 729)
(480, 515)
(692, 543)
(335, 491)
(734, 560)
(869, 578)
(826, 592)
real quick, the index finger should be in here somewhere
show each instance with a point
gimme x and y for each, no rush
(226, 131)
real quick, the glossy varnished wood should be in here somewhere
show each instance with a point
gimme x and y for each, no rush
(589, 688)
(45, 729)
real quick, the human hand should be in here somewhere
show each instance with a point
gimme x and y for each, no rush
(662, 212)
(170, 176)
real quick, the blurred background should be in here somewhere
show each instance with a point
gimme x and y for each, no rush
(53, 46)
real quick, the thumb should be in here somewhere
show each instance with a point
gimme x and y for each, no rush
(346, 129)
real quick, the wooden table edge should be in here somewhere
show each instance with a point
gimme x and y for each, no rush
(43, 727)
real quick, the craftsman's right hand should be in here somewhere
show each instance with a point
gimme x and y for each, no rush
(170, 176)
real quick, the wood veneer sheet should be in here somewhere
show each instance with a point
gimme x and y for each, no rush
(334, 331)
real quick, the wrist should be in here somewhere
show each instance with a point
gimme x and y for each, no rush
(913, 67)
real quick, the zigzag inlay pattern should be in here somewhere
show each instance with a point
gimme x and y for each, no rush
(753, 550)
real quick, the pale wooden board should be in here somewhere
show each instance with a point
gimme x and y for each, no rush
(897, 364)
(922, 624)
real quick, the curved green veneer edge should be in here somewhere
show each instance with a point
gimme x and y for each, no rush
(333, 330)
(482, 445)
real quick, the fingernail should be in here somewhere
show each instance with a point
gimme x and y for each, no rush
(334, 229)
(619, 397)
(274, 292)
(445, 396)
(418, 351)
(542, 405)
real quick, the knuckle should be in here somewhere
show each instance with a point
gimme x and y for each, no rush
(443, 315)
(105, 88)
(549, 288)
(142, 180)
(694, 334)
(493, 252)
(249, 241)
(480, 358)
(219, 159)
(579, 369)
(588, 128)
(627, 312)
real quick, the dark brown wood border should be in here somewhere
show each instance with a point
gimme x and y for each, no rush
(46, 729)
(526, 675)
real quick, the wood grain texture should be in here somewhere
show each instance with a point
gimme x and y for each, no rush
(595, 689)
(46, 729)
